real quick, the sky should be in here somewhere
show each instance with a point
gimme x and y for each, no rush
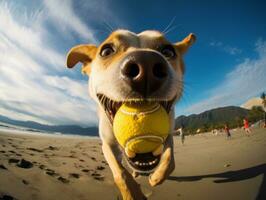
(226, 66)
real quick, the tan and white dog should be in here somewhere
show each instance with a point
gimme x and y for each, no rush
(133, 67)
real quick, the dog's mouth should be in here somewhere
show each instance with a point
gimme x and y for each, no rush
(111, 107)
(142, 162)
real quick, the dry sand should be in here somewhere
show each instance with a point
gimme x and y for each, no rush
(43, 167)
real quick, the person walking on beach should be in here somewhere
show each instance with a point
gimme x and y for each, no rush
(227, 131)
(182, 135)
(246, 126)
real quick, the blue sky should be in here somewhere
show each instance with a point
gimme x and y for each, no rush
(226, 66)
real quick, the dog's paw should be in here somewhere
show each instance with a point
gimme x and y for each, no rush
(156, 179)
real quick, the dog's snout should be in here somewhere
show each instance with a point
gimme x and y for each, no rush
(144, 71)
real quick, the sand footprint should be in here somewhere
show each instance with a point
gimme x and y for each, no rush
(74, 175)
(25, 182)
(86, 170)
(100, 168)
(63, 180)
(35, 150)
(13, 160)
(97, 176)
(42, 166)
(3, 167)
(51, 172)
(6, 197)
(25, 164)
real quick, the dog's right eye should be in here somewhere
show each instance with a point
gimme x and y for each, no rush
(168, 51)
(107, 50)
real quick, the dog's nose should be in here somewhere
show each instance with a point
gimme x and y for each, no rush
(144, 71)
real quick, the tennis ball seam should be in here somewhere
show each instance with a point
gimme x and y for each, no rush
(142, 112)
(147, 136)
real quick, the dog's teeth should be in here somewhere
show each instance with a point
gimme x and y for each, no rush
(158, 151)
(129, 153)
(137, 162)
(150, 163)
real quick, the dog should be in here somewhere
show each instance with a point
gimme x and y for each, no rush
(133, 67)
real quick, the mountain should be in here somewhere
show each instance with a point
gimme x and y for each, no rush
(65, 129)
(252, 102)
(212, 118)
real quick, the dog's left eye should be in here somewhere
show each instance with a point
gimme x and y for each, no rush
(168, 51)
(107, 50)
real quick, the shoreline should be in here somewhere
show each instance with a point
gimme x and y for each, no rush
(42, 133)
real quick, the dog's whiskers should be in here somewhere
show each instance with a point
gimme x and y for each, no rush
(169, 25)
(108, 27)
(171, 29)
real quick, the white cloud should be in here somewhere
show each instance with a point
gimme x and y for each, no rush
(27, 39)
(245, 81)
(65, 18)
(71, 87)
(226, 48)
(30, 83)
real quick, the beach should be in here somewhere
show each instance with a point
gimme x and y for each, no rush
(46, 167)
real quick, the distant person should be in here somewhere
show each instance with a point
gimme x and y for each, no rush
(246, 126)
(227, 131)
(215, 131)
(182, 135)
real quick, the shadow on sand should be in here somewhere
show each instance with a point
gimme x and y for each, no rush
(232, 176)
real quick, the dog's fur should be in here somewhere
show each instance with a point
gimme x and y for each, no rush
(105, 79)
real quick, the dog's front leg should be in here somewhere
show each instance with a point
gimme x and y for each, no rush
(166, 166)
(128, 187)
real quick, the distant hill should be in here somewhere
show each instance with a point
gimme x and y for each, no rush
(212, 118)
(252, 102)
(65, 129)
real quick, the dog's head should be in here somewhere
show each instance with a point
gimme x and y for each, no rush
(133, 67)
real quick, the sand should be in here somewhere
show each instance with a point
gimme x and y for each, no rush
(48, 167)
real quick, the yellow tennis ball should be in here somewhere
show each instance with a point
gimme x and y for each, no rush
(141, 127)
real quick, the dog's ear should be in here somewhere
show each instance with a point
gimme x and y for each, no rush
(82, 53)
(184, 45)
